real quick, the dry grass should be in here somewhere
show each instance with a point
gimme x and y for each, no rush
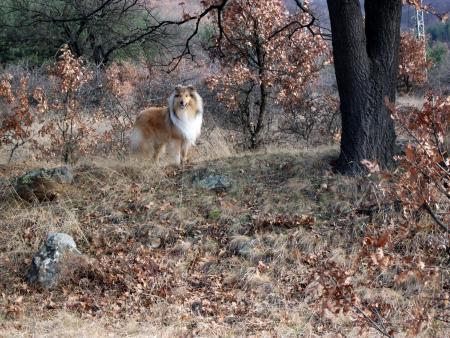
(211, 267)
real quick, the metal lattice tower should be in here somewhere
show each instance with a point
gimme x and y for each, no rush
(420, 31)
(420, 24)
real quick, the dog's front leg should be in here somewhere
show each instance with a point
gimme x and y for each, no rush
(175, 149)
(184, 151)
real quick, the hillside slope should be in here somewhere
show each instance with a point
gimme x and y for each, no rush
(166, 257)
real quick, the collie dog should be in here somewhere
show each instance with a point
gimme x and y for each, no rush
(178, 125)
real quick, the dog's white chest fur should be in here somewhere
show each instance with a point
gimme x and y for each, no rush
(190, 128)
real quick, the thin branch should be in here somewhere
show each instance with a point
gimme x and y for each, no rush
(187, 50)
(436, 218)
(75, 19)
(371, 322)
(292, 23)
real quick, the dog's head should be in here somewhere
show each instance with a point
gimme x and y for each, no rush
(185, 98)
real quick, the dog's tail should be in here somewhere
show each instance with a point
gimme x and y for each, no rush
(135, 139)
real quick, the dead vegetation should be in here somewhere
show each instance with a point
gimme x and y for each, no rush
(165, 258)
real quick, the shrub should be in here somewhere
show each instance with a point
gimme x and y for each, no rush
(69, 130)
(16, 121)
(422, 180)
(312, 118)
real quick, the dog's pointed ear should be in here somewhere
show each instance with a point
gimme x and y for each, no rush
(178, 88)
(191, 88)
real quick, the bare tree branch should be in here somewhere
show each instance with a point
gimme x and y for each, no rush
(436, 218)
(372, 323)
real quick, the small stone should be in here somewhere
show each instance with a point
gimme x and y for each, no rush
(212, 181)
(241, 245)
(231, 319)
(197, 307)
(115, 217)
(154, 242)
(45, 266)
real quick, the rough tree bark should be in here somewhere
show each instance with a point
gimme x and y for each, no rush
(256, 131)
(366, 64)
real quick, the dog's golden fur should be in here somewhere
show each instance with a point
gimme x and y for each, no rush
(177, 125)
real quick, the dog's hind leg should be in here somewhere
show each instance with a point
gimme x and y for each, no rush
(136, 141)
(159, 148)
(139, 146)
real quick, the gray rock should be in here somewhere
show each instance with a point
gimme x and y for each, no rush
(212, 181)
(241, 245)
(61, 175)
(43, 184)
(45, 266)
(115, 217)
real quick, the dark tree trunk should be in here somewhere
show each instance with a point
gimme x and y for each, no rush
(366, 63)
(256, 138)
(98, 53)
(256, 130)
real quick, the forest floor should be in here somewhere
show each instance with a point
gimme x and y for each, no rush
(164, 257)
